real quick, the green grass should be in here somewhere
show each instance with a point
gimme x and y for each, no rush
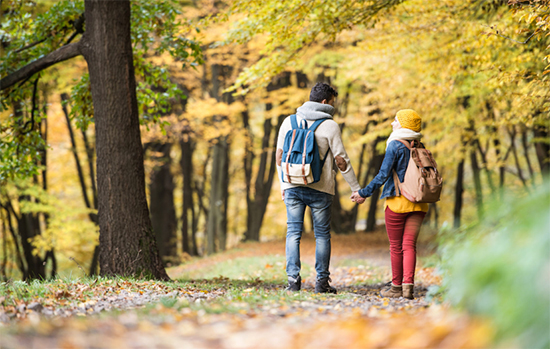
(268, 268)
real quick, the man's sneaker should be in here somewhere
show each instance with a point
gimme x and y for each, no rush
(294, 284)
(322, 286)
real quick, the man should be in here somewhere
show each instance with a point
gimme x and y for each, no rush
(318, 196)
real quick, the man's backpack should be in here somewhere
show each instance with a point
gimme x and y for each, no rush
(423, 182)
(301, 162)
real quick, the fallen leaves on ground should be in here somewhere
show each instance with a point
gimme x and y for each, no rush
(68, 298)
(232, 313)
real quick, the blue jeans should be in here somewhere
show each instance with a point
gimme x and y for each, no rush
(296, 200)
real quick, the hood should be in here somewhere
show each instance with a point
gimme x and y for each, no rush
(315, 111)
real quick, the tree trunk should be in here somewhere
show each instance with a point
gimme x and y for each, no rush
(257, 205)
(83, 187)
(188, 211)
(93, 216)
(488, 172)
(343, 221)
(16, 246)
(459, 190)
(29, 227)
(4, 249)
(477, 183)
(513, 134)
(50, 255)
(127, 242)
(376, 163)
(525, 146)
(216, 213)
(161, 201)
(542, 147)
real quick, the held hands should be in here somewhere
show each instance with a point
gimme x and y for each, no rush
(355, 197)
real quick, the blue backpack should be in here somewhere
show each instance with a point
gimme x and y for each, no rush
(301, 163)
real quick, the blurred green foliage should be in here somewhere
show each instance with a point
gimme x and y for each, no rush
(500, 268)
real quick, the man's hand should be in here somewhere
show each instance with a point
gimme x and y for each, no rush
(283, 195)
(355, 197)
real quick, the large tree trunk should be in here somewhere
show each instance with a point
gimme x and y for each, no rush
(127, 242)
(161, 194)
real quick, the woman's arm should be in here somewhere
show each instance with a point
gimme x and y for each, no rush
(388, 165)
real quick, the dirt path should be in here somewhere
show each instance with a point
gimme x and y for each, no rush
(260, 314)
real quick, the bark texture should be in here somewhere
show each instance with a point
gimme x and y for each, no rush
(127, 242)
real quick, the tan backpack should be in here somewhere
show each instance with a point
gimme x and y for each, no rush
(422, 183)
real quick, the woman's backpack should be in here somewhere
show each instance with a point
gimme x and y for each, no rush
(423, 182)
(301, 160)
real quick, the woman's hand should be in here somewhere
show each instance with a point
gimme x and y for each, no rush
(355, 197)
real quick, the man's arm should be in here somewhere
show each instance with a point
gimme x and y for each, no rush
(341, 157)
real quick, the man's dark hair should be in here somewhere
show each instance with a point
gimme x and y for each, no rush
(322, 91)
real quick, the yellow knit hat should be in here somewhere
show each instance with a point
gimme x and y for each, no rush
(408, 118)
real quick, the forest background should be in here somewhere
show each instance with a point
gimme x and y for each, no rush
(215, 79)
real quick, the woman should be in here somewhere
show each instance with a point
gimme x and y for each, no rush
(403, 217)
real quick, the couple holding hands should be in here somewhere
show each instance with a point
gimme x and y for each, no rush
(403, 217)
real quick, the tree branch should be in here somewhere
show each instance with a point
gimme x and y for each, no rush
(62, 54)
(30, 45)
(31, 121)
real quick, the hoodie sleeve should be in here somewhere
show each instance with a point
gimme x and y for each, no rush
(339, 152)
(388, 164)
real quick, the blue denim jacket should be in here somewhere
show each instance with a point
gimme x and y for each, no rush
(396, 158)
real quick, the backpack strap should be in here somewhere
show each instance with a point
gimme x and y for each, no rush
(313, 128)
(316, 124)
(396, 183)
(293, 121)
(411, 144)
(405, 143)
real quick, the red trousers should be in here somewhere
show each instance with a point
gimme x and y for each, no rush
(403, 229)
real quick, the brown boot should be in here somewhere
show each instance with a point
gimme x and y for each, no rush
(392, 292)
(408, 291)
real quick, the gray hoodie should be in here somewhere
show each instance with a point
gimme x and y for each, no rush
(327, 136)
